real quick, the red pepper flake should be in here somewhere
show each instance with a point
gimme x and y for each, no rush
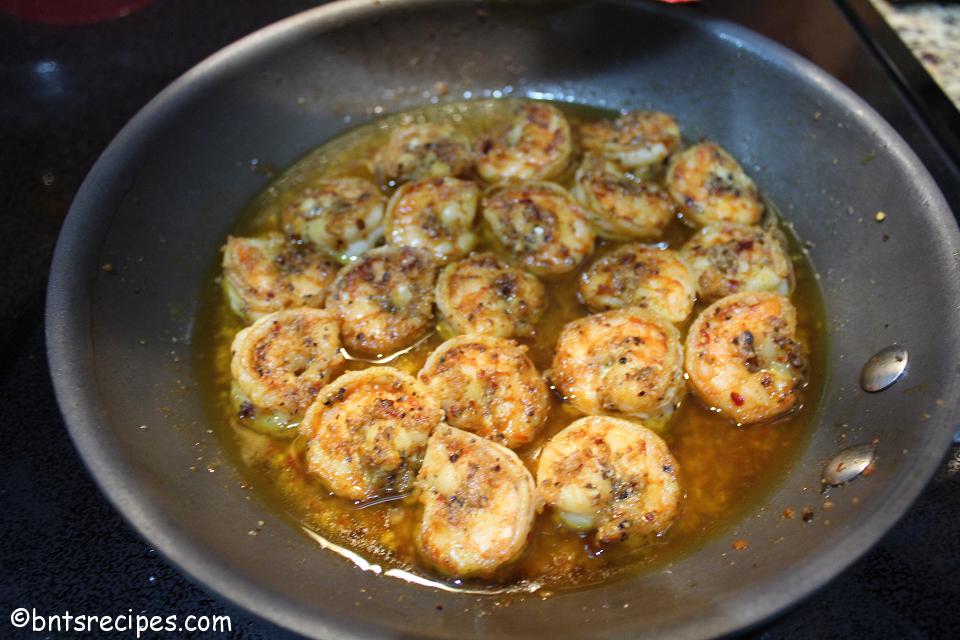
(789, 513)
(737, 398)
(740, 545)
(807, 514)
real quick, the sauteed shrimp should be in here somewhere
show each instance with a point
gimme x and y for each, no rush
(559, 346)
(710, 186)
(484, 294)
(612, 476)
(625, 362)
(342, 216)
(418, 151)
(367, 430)
(436, 214)
(537, 146)
(263, 275)
(636, 140)
(637, 275)
(488, 386)
(727, 258)
(478, 501)
(281, 361)
(743, 357)
(619, 206)
(385, 299)
(541, 224)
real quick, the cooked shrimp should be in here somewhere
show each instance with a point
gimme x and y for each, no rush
(484, 294)
(638, 275)
(342, 216)
(478, 501)
(418, 151)
(710, 186)
(367, 431)
(541, 224)
(625, 362)
(436, 214)
(636, 140)
(727, 258)
(619, 206)
(280, 363)
(536, 146)
(263, 275)
(488, 386)
(743, 357)
(612, 476)
(385, 299)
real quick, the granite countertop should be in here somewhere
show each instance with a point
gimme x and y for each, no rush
(932, 31)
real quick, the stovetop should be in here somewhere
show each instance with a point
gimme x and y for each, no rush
(65, 91)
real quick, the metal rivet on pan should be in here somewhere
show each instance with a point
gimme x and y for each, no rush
(848, 464)
(884, 368)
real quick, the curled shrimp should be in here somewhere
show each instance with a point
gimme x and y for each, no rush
(488, 386)
(635, 140)
(263, 275)
(610, 476)
(624, 362)
(728, 258)
(544, 227)
(341, 216)
(479, 502)
(536, 146)
(385, 299)
(419, 151)
(280, 363)
(710, 186)
(743, 357)
(621, 206)
(645, 276)
(485, 294)
(435, 214)
(367, 430)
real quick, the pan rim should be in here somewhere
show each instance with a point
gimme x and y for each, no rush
(70, 350)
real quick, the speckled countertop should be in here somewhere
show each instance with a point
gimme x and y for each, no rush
(932, 31)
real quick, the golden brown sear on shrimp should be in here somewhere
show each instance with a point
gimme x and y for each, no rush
(263, 275)
(367, 430)
(281, 361)
(435, 214)
(537, 145)
(384, 300)
(728, 258)
(419, 151)
(610, 476)
(743, 357)
(621, 206)
(638, 275)
(488, 386)
(709, 185)
(485, 294)
(479, 502)
(341, 216)
(624, 362)
(635, 140)
(542, 224)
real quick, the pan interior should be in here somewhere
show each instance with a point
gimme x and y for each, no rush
(726, 471)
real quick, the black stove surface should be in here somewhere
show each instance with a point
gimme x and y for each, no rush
(65, 91)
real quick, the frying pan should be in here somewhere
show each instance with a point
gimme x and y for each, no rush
(160, 200)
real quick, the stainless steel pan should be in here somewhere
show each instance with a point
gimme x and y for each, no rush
(163, 196)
